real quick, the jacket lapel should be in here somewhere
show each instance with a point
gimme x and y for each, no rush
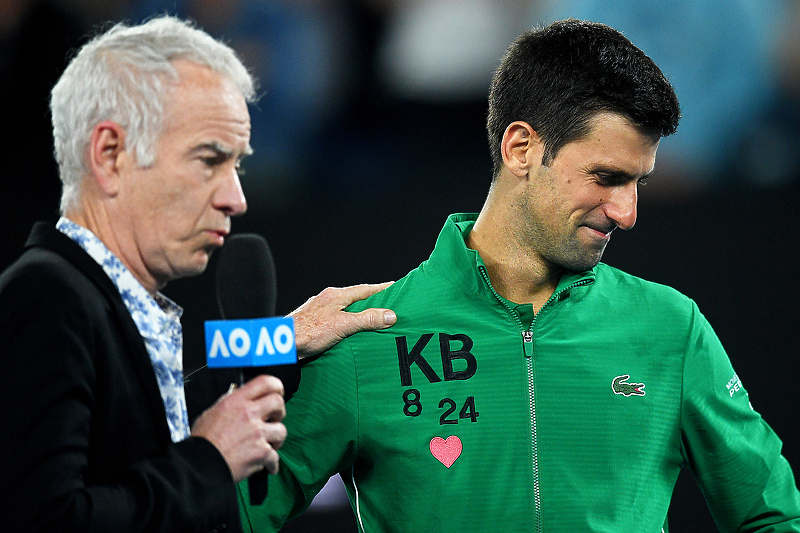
(46, 236)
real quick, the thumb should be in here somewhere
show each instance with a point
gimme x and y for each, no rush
(368, 320)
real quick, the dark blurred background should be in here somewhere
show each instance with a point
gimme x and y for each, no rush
(370, 131)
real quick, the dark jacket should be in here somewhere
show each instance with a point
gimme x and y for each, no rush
(85, 445)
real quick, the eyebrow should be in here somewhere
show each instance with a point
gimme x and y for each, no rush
(222, 150)
(617, 174)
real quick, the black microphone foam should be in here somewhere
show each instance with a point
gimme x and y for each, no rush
(246, 285)
(246, 288)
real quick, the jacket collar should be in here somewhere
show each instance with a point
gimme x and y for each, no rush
(462, 265)
(44, 235)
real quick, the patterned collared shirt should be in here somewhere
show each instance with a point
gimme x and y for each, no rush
(158, 321)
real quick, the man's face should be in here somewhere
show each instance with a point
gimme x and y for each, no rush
(570, 208)
(178, 210)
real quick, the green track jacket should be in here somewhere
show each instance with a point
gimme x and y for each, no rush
(470, 415)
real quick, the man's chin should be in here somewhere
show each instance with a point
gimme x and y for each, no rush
(586, 261)
(583, 267)
(196, 267)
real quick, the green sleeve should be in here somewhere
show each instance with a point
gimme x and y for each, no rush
(732, 452)
(321, 419)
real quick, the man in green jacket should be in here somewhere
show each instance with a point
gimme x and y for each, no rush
(526, 386)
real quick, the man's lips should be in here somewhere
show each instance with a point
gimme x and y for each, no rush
(601, 232)
(217, 236)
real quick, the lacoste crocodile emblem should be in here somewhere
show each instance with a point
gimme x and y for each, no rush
(620, 385)
(446, 451)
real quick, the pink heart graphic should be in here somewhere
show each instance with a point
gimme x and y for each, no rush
(446, 451)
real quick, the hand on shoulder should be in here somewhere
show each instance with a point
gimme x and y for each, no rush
(321, 322)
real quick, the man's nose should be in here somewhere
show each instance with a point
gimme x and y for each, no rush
(230, 196)
(621, 207)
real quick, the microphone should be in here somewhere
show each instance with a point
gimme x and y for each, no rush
(246, 285)
(246, 294)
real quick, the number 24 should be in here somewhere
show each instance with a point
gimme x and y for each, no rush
(467, 411)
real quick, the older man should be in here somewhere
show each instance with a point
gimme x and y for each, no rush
(150, 125)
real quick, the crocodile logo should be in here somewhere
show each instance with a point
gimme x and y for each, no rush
(620, 385)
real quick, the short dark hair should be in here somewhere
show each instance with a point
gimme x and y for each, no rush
(558, 77)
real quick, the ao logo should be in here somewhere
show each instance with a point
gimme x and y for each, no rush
(252, 342)
(239, 342)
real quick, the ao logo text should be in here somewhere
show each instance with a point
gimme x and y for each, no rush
(250, 342)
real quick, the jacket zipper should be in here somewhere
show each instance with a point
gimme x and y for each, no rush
(527, 347)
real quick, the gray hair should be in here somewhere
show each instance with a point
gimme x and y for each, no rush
(121, 75)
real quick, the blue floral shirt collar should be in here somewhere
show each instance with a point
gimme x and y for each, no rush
(157, 319)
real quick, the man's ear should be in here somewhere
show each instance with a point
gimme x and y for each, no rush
(521, 148)
(106, 155)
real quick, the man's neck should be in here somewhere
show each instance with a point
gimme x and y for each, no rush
(517, 274)
(97, 221)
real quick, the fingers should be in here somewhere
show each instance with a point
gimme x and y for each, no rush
(349, 295)
(259, 386)
(271, 463)
(265, 396)
(321, 322)
(262, 450)
(337, 298)
(274, 436)
(271, 438)
(369, 319)
(245, 426)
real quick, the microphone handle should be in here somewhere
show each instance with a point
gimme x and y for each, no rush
(258, 485)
